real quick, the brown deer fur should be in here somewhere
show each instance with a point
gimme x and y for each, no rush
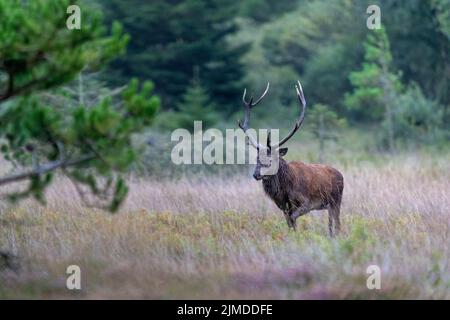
(298, 188)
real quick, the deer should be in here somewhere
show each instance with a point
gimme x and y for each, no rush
(297, 187)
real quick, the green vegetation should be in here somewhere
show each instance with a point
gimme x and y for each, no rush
(38, 54)
(364, 76)
(324, 124)
(170, 40)
(80, 128)
(376, 86)
(195, 105)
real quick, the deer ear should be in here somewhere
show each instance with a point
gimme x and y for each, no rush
(282, 151)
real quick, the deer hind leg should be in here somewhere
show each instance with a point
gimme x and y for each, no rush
(337, 218)
(333, 216)
(330, 222)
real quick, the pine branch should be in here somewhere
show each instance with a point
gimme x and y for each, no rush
(45, 168)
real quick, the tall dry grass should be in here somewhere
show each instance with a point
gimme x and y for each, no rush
(220, 237)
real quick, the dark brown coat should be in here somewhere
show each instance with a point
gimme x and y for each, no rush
(298, 188)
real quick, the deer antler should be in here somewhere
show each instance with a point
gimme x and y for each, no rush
(298, 123)
(247, 107)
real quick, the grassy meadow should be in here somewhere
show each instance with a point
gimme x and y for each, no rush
(220, 237)
(94, 90)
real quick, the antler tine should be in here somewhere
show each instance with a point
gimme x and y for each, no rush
(247, 106)
(300, 94)
(251, 104)
(244, 128)
(243, 98)
(298, 123)
(262, 96)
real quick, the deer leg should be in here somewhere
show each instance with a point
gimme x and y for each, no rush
(289, 221)
(298, 212)
(333, 216)
(285, 207)
(330, 223)
(337, 221)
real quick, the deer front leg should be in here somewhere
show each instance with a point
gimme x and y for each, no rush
(286, 208)
(297, 212)
(290, 222)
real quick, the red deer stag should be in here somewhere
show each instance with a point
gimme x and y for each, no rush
(297, 187)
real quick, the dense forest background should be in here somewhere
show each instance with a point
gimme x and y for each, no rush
(202, 54)
(104, 99)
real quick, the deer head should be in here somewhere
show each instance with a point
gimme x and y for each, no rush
(266, 155)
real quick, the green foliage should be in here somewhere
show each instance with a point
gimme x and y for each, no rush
(375, 83)
(315, 42)
(417, 119)
(170, 39)
(420, 31)
(324, 123)
(405, 114)
(266, 10)
(195, 106)
(322, 117)
(376, 86)
(355, 246)
(321, 41)
(90, 143)
(442, 11)
(39, 52)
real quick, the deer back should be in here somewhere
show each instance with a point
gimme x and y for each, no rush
(319, 184)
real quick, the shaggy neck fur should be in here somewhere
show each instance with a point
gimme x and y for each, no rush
(275, 185)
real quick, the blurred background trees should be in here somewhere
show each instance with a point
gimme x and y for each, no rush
(172, 38)
(325, 125)
(391, 85)
(376, 85)
(194, 105)
(362, 75)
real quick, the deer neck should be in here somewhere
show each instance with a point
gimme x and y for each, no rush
(274, 185)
